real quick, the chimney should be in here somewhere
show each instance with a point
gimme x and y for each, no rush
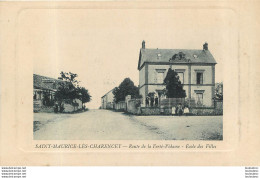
(205, 46)
(143, 44)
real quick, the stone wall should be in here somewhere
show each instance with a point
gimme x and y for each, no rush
(68, 108)
(133, 106)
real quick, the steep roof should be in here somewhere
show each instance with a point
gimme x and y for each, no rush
(46, 83)
(108, 92)
(164, 55)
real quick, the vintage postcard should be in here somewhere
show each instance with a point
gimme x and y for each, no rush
(129, 83)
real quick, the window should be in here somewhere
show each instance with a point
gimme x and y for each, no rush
(181, 77)
(199, 78)
(199, 99)
(180, 73)
(160, 77)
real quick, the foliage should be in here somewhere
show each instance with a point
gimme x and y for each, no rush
(219, 91)
(66, 91)
(70, 89)
(127, 87)
(85, 96)
(174, 88)
(70, 77)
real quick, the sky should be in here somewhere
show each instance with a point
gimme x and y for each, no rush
(102, 45)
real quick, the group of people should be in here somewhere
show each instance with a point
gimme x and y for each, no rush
(180, 110)
(152, 101)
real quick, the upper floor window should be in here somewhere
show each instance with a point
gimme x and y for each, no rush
(180, 73)
(181, 77)
(199, 77)
(160, 75)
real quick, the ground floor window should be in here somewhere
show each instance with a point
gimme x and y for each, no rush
(199, 99)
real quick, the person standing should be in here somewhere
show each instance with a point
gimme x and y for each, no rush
(173, 110)
(179, 109)
(186, 110)
(156, 100)
(147, 101)
(152, 101)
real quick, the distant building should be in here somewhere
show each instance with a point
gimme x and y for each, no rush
(195, 68)
(44, 89)
(107, 101)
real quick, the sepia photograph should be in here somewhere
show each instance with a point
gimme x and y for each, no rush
(109, 76)
(129, 84)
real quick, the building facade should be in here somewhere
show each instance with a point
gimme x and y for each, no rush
(107, 101)
(195, 68)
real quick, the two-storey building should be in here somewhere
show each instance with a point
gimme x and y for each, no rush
(195, 68)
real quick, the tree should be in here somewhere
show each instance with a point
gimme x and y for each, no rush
(127, 87)
(174, 88)
(69, 77)
(219, 91)
(84, 95)
(70, 90)
(66, 91)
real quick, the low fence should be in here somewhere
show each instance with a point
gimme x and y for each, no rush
(173, 102)
(133, 106)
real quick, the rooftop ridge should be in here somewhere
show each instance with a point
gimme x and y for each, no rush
(49, 77)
